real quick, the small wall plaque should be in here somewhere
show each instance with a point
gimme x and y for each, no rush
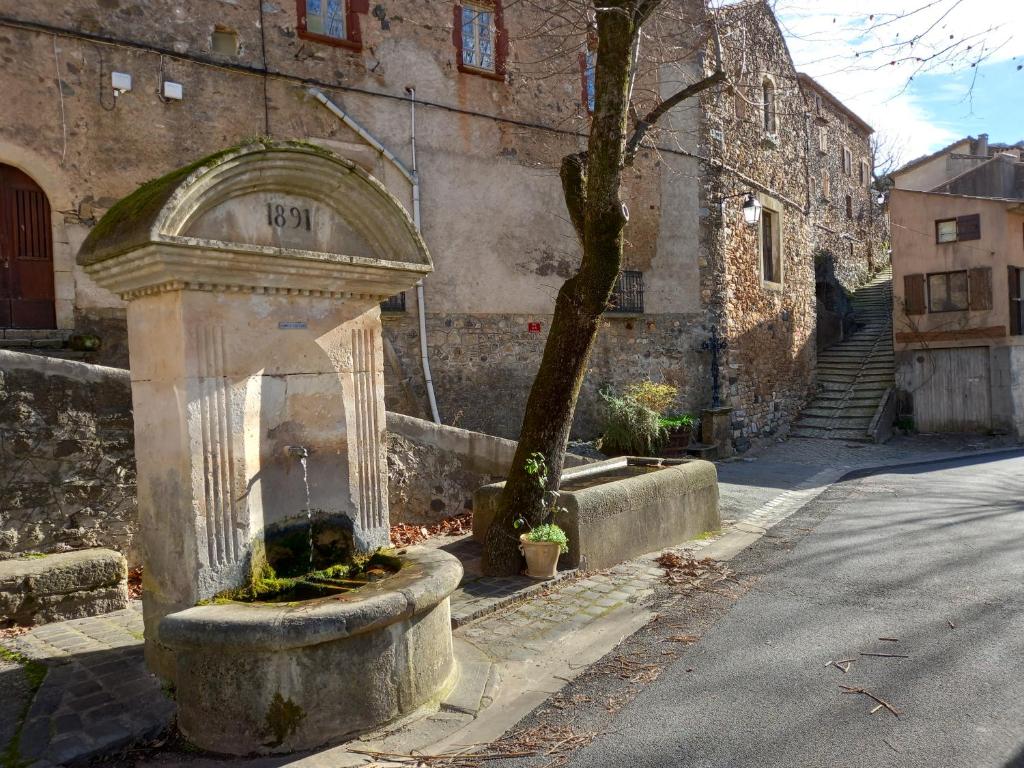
(292, 325)
(533, 327)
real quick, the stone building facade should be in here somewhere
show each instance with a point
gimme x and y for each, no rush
(111, 93)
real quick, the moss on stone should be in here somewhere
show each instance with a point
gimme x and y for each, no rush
(266, 586)
(35, 672)
(145, 202)
(283, 719)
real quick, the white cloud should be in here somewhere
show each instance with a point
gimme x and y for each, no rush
(850, 52)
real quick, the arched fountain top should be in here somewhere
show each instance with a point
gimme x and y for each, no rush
(280, 215)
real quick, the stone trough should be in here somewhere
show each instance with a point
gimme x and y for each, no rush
(623, 508)
(287, 676)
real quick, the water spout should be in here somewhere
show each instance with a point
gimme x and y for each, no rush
(302, 454)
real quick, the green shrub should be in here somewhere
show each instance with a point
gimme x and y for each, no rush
(550, 532)
(630, 427)
(650, 394)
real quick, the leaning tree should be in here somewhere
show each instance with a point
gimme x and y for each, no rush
(592, 183)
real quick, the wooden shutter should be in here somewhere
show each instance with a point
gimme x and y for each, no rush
(500, 40)
(457, 33)
(913, 293)
(352, 29)
(1015, 302)
(979, 288)
(968, 227)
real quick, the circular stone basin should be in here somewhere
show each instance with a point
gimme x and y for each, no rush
(278, 677)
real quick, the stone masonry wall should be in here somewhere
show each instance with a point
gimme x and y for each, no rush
(67, 465)
(768, 369)
(852, 243)
(483, 365)
(67, 462)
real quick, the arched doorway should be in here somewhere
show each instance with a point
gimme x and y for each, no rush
(26, 253)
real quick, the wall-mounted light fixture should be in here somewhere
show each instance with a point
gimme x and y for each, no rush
(121, 82)
(172, 91)
(751, 209)
(751, 206)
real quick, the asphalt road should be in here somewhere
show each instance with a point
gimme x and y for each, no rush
(931, 555)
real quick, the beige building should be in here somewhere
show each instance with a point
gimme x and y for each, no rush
(958, 261)
(102, 96)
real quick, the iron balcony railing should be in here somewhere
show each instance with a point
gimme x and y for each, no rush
(394, 304)
(628, 295)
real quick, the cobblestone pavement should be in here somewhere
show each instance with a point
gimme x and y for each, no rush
(97, 696)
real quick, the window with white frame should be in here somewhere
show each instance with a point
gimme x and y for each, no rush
(847, 161)
(769, 243)
(826, 185)
(326, 17)
(822, 138)
(478, 33)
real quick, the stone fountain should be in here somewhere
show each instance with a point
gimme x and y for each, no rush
(253, 280)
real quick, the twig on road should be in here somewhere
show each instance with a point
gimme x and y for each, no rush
(888, 655)
(869, 694)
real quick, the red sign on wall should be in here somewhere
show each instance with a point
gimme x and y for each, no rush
(533, 327)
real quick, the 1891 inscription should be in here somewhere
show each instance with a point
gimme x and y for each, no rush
(284, 217)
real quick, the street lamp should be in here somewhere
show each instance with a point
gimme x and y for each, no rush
(751, 209)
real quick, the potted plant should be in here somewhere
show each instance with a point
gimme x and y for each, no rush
(542, 545)
(680, 428)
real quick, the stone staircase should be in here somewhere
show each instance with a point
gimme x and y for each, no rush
(855, 374)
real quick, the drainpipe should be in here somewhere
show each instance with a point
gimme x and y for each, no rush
(413, 178)
(421, 304)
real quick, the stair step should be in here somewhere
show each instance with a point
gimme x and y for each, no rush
(831, 434)
(820, 423)
(816, 411)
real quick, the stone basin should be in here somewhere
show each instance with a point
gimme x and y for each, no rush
(279, 677)
(623, 508)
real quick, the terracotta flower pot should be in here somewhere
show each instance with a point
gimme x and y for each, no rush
(541, 557)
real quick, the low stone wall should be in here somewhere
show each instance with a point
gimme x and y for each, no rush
(67, 462)
(70, 585)
(67, 465)
(433, 469)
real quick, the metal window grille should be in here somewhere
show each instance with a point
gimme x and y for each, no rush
(628, 295)
(394, 304)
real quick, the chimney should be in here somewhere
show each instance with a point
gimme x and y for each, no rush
(982, 145)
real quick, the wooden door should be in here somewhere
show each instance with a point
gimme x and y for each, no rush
(26, 253)
(954, 392)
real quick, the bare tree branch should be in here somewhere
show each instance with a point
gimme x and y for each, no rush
(644, 125)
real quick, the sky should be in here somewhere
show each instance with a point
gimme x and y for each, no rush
(848, 46)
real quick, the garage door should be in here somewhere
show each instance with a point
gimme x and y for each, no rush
(952, 390)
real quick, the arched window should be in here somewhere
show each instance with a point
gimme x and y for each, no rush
(768, 98)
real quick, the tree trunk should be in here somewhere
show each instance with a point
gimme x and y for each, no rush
(591, 183)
